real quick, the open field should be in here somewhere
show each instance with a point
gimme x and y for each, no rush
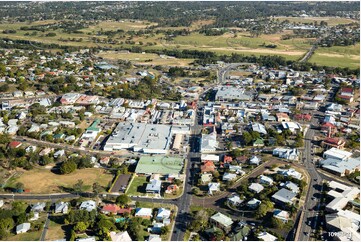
(226, 44)
(29, 236)
(330, 21)
(342, 56)
(137, 187)
(139, 58)
(44, 181)
(57, 229)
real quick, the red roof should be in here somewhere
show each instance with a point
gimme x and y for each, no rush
(328, 124)
(334, 141)
(227, 159)
(345, 97)
(207, 166)
(15, 144)
(347, 89)
(111, 208)
(124, 210)
(172, 187)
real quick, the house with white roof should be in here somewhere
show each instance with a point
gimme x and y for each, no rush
(290, 173)
(213, 187)
(265, 180)
(209, 142)
(282, 215)
(284, 197)
(235, 200)
(61, 207)
(291, 186)
(145, 213)
(162, 214)
(256, 187)
(337, 154)
(253, 203)
(286, 153)
(292, 126)
(229, 176)
(260, 128)
(222, 221)
(120, 236)
(23, 228)
(88, 205)
(265, 236)
(254, 160)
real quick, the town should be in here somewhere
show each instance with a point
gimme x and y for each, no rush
(96, 148)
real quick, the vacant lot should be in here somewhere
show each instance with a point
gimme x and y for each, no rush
(137, 187)
(57, 229)
(41, 180)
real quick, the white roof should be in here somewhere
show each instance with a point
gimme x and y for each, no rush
(163, 213)
(143, 212)
(209, 157)
(337, 153)
(120, 237)
(337, 204)
(266, 236)
(256, 187)
(88, 205)
(222, 219)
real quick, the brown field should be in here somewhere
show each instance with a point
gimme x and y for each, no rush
(332, 21)
(44, 181)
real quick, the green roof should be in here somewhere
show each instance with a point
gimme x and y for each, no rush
(258, 141)
(159, 164)
(93, 126)
(58, 136)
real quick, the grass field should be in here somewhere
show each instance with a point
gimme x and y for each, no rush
(29, 236)
(342, 56)
(241, 43)
(330, 21)
(41, 180)
(137, 187)
(57, 229)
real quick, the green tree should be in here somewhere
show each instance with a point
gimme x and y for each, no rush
(80, 227)
(123, 200)
(263, 209)
(277, 223)
(247, 137)
(96, 188)
(68, 167)
(78, 187)
(19, 186)
(164, 230)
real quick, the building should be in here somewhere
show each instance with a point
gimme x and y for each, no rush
(61, 207)
(282, 215)
(284, 197)
(110, 209)
(23, 228)
(292, 126)
(222, 221)
(69, 98)
(162, 214)
(145, 213)
(120, 236)
(282, 117)
(208, 166)
(206, 178)
(337, 143)
(341, 195)
(255, 187)
(88, 205)
(253, 203)
(235, 200)
(213, 187)
(230, 93)
(265, 236)
(341, 167)
(286, 153)
(291, 186)
(142, 137)
(209, 142)
(260, 128)
(229, 176)
(154, 187)
(337, 154)
(265, 180)
(290, 173)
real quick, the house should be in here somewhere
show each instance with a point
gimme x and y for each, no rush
(120, 236)
(172, 189)
(255, 187)
(241, 233)
(209, 142)
(265, 236)
(59, 153)
(235, 200)
(292, 126)
(229, 176)
(154, 186)
(282, 215)
(162, 214)
(265, 180)
(14, 144)
(282, 117)
(329, 128)
(23, 228)
(209, 157)
(291, 186)
(253, 203)
(156, 229)
(284, 196)
(206, 178)
(286, 153)
(38, 207)
(88, 205)
(110, 209)
(213, 187)
(145, 213)
(290, 173)
(30, 148)
(154, 238)
(341, 167)
(337, 143)
(260, 128)
(208, 166)
(221, 221)
(254, 160)
(36, 217)
(122, 211)
(61, 207)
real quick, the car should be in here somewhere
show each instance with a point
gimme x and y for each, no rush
(315, 179)
(313, 198)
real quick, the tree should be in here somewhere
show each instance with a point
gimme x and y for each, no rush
(96, 188)
(277, 223)
(202, 217)
(263, 209)
(78, 187)
(19, 186)
(68, 167)
(122, 200)
(164, 230)
(6, 224)
(247, 137)
(80, 227)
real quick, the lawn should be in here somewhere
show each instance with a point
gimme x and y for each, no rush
(40, 180)
(137, 187)
(57, 229)
(336, 60)
(29, 236)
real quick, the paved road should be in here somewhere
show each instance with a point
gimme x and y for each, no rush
(311, 205)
